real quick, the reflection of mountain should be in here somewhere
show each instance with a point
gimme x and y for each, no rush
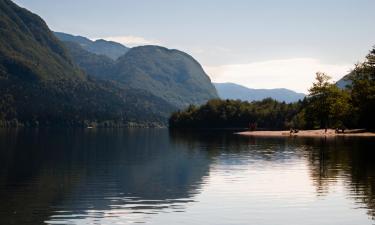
(75, 171)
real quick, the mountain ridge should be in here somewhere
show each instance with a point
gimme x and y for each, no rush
(235, 91)
(169, 74)
(110, 49)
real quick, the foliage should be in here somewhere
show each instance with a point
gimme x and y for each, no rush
(363, 91)
(328, 105)
(217, 113)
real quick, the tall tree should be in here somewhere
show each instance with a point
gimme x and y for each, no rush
(363, 91)
(328, 106)
(318, 109)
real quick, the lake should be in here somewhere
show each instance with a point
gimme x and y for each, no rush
(153, 176)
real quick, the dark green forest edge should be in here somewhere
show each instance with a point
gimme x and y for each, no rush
(326, 106)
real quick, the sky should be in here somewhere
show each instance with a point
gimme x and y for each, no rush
(258, 44)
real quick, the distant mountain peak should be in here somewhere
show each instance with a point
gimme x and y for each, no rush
(236, 91)
(73, 38)
(110, 49)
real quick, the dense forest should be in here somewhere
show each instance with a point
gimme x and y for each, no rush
(218, 113)
(326, 106)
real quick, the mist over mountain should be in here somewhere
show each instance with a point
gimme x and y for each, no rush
(235, 91)
(100, 47)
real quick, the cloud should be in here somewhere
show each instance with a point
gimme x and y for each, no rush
(296, 73)
(132, 41)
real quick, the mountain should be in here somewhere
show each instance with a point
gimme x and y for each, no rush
(100, 47)
(235, 91)
(40, 83)
(28, 50)
(344, 81)
(99, 66)
(171, 75)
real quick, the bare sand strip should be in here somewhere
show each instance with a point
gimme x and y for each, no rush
(308, 133)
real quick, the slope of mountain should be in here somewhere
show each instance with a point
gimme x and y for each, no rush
(171, 75)
(40, 84)
(235, 91)
(99, 66)
(28, 50)
(100, 47)
(345, 81)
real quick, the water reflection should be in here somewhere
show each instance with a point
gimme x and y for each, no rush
(347, 161)
(78, 173)
(350, 161)
(160, 177)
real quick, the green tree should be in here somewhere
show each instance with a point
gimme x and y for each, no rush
(328, 106)
(318, 108)
(339, 108)
(363, 91)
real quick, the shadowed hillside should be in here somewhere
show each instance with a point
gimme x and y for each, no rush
(40, 84)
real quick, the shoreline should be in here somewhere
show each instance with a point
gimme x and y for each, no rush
(307, 133)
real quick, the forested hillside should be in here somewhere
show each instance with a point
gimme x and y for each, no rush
(41, 86)
(171, 75)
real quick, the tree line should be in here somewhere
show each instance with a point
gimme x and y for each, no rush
(326, 106)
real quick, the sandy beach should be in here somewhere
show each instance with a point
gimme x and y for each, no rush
(308, 133)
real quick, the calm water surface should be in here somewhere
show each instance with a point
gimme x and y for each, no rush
(154, 176)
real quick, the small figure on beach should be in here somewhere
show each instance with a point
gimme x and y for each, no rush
(293, 131)
(252, 126)
(337, 130)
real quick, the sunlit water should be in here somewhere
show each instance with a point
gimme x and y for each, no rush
(154, 176)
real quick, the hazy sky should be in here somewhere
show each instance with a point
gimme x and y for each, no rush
(259, 44)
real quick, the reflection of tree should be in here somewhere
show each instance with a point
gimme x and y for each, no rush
(321, 170)
(329, 160)
(76, 170)
(217, 142)
(348, 159)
